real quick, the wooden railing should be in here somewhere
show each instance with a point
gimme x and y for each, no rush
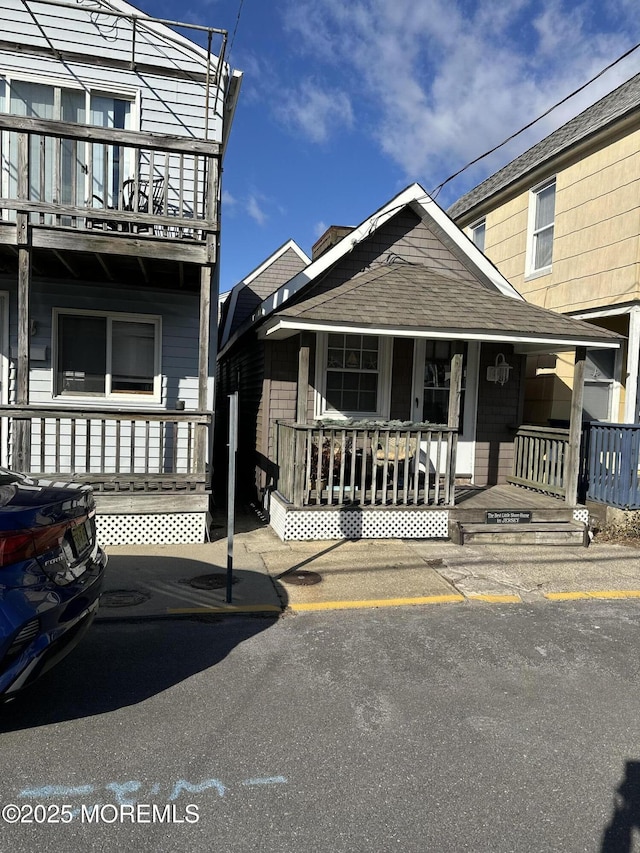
(539, 459)
(368, 466)
(612, 464)
(83, 177)
(112, 449)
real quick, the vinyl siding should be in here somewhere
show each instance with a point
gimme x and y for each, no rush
(167, 105)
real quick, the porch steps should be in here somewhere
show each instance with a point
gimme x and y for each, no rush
(572, 533)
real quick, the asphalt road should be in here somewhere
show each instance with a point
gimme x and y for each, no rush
(445, 728)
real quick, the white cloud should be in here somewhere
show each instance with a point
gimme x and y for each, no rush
(228, 200)
(255, 210)
(438, 82)
(319, 229)
(315, 110)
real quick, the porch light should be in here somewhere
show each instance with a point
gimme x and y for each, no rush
(499, 371)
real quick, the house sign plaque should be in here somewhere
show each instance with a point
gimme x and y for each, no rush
(508, 516)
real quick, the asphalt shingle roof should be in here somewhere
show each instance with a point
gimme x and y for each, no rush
(416, 297)
(612, 107)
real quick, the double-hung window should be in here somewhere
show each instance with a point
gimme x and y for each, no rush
(352, 375)
(478, 232)
(114, 356)
(541, 227)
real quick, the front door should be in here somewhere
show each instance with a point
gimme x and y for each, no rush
(432, 366)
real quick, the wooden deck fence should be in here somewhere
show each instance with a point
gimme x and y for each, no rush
(368, 466)
(109, 448)
(86, 178)
(539, 459)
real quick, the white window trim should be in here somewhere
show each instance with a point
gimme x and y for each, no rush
(530, 270)
(472, 230)
(134, 400)
(125, 93)
(384, 381)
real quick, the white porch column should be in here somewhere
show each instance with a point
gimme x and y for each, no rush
(633, 366)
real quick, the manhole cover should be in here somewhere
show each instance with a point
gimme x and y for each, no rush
(301, 578)
(218, 580)
(123, 598)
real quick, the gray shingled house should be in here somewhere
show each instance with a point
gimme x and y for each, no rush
(381, 387)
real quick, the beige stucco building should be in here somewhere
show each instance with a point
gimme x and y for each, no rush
(562, 224)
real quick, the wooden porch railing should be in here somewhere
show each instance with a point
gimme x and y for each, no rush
(111, 449)
(368, 466)
(612, 463)
(67, 175)
(539, 459)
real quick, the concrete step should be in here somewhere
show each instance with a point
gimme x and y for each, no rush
(573, 533)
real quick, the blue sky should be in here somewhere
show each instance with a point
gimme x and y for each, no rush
(343, 104)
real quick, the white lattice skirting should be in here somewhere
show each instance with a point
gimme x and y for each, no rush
(357, 523)
(178, 528)
(581, 513)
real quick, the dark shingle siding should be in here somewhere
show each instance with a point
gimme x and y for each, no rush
(612, 107)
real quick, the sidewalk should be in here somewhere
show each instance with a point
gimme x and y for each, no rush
(155, 581)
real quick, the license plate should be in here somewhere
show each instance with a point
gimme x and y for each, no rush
(80, 537)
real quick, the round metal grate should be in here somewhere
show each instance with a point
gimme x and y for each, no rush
(301, 578)
(123, 598)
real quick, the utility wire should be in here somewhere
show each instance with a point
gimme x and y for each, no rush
(235, 29)
(436, 191)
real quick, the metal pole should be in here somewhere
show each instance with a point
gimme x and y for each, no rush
(231, 487)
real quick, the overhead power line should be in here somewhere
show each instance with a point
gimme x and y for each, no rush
(235, 29)
(436, 191)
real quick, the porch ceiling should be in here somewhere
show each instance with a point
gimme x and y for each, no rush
(411, 300)
(102, 268)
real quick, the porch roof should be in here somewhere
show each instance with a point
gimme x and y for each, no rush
(412, 300)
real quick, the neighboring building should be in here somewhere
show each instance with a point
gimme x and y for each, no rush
(112, 129)
(562, 223)
(386, 375)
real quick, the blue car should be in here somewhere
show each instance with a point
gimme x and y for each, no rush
(51, 572)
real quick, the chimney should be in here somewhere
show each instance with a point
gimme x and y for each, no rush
(331, 236)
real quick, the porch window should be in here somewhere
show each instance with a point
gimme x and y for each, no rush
(541, 227)
(107, 355)
(437, 375)
(351, 371)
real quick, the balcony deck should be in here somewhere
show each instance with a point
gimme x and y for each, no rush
(107, 191)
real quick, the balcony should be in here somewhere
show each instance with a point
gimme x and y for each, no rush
(96, 189)
(125, 455)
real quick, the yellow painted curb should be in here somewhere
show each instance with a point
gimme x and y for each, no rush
(375, 602)
(495, 599)
(602, 593)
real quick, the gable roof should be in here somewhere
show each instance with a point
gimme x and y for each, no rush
(260, 283)
(411, 300)
(406, 299)
(622, 102)
(416, 199)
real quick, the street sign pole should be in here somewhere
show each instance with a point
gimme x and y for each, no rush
(231, 487)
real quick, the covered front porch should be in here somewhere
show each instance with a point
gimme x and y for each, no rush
(381, 482)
